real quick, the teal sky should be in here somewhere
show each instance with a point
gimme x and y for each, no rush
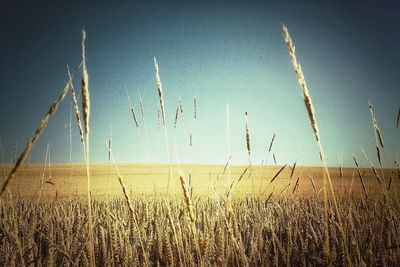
(222, 52)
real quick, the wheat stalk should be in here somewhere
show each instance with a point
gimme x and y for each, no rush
(129, 203)
(141, 104)
(313, 183)
(361, 176)
(160, 90)
(85, 85)
(266, 159)
(270, 148)
(39, 130)
(86, 115)
(377, 132)
(76, 108)
(162, 110)
(300, 76)
(109, 147)
(188, 202)
(275, 176)
(195, 107)
(144, 122)
(378, 135)
(131, 108)
(311, 115)
(372, 167)
(292, 170)
(247, 137)
(177, 112)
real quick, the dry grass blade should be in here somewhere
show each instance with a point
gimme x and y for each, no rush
(372, 167)
(272, 142)
(131, 108)
(390, 181)
(293, 168)
(176, 116)
(268, 151)
(109, 146)
(242, 175)
(76, 109)
(296, 185)
(283, 190)
(361, 176)
(39, 130)
(226, 164)
(378, 135)
(195, 107)
(340, 156)
(141, 104)
(275, 176)
(313, 183)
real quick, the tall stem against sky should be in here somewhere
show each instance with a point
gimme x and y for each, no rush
(311, 115)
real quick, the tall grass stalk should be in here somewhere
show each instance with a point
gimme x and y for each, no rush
(86, 117)
(378, 137)
(70, 152)
(228, 145)
(130, 206)
(311, 115)
(145, 150)
(264, 163)
(39, 130)
(146, 135)
(162, 110)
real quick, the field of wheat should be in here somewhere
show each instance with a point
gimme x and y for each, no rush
(197, 215)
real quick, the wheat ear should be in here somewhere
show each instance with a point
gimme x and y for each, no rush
(377, 132)
(85, 85)
(311, 115)
(361, 176)
(162, 110)
(131, 107)
(129, 203)
(86, 115)
(39, 130)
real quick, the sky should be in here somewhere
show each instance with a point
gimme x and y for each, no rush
(221, 52)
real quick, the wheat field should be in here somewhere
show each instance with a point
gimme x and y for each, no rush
(281, 226)
(112, 214)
